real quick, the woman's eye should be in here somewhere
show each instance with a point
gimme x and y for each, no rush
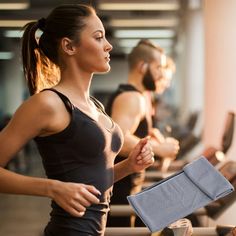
(99, 38)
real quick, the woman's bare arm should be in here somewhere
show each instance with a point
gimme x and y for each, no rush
(41, 115)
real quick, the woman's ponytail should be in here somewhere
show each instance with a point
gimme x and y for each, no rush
(29, 55)
(40, 72)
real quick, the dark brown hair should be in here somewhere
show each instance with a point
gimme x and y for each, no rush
(40, 56)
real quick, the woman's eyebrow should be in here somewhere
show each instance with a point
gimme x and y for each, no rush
(99, 31)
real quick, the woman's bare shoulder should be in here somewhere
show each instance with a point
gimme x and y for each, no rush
(40, 110)
(44, 101)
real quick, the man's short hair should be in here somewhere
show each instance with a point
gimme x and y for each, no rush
(143, 51)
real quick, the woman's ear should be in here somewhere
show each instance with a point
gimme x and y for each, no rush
(68, 46)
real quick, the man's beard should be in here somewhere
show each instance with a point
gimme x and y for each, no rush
(148, 81)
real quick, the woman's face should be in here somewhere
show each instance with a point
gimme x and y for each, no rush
(93, 49)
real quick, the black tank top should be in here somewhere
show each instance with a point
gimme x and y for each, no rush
(143, 127)
(83, 152)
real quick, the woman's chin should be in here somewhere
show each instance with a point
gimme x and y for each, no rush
(103, 70)
(108, 69)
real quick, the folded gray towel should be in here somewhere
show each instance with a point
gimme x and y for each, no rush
(177, 196)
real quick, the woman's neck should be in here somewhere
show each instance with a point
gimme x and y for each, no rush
(75, 84)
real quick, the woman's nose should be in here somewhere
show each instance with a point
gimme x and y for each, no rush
(108, 46)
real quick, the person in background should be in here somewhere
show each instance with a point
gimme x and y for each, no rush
(152, 98)
(128, 107)
(76, 139)
(164, 83)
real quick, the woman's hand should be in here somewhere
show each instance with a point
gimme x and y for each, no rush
(74, 197)
(141, 156)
